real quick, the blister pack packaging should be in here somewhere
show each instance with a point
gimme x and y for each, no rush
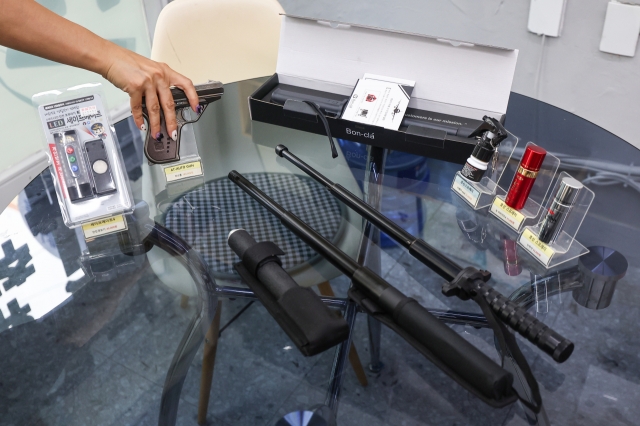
(85, 159)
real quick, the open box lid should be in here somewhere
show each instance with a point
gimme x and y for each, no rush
(452, 77)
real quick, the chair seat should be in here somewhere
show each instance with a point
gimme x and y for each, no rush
(204, 217)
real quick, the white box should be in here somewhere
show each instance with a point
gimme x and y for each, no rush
(621, 29)
(457, 83)
(452, 77)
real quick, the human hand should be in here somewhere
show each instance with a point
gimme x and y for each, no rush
(139, 76)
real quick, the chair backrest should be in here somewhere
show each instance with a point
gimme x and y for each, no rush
(224, 40)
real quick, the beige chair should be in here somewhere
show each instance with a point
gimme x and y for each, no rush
(229, 41)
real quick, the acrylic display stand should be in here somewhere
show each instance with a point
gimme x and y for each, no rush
(528, 215)
(480, 194)
(564, 246)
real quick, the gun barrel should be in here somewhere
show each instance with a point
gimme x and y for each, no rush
(207, 93)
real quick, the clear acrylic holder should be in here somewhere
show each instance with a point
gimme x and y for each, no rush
(528, 215)
(480, 194)
(85, 160)
(564, 246)
(190, 165)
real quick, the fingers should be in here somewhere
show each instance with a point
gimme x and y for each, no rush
(168, 107)
(136, 110)
(187, 87)
(153, 110)
(140, 76)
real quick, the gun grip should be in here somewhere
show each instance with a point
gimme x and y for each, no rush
(164, 149)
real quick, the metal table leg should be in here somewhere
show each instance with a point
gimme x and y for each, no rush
(372, 195)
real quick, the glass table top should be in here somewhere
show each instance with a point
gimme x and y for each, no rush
(90, 330)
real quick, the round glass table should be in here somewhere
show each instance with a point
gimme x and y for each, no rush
(153, 325)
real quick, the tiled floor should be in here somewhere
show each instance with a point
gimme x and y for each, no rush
(52, 377)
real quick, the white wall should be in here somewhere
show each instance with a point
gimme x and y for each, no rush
(570, 72)
(22, 76)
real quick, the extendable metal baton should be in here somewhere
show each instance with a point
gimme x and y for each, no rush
(463, 361)
(463, 283)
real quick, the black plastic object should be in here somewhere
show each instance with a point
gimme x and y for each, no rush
(515, 316)
(470, 284)
(311, 326)
(261, 259)
(309, 111)
(491, 132)
(329, 103)
(601, 269)
(99, 167)
(444, 347)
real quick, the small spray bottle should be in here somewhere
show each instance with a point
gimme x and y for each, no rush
(489, 136)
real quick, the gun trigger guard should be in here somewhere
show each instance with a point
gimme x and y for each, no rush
(462, 285)
(185, 121)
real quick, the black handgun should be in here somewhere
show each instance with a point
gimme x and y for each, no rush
(164, 149)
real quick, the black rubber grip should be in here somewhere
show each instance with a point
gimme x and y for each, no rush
(534, 330)
(457, 353)
(301, 314)
(271, 274)
(460, 356)
(446, 346)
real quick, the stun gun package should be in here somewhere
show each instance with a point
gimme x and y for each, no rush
(84, 154)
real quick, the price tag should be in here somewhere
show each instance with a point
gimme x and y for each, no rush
(463, 188)
(183, 171)
(510, 216)
(106, 226)
(535, 247)
(88, 110)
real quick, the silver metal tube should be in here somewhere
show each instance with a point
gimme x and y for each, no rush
(372, 195)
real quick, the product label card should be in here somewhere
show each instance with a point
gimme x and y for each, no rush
(85, 159)
(510, 216)
(183, 171)
(109, 225)
(379, 101)
(465, 190)
(84, 115)
(535, 247)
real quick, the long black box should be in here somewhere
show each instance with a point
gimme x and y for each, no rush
(425, 138)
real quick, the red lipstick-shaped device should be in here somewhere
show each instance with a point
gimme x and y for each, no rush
(525, 176)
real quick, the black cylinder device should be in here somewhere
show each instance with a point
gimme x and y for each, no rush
(299, 311)
(509, 312)
(563, 199)
(270, 274)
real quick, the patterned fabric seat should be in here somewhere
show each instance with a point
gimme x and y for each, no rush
(204, 217)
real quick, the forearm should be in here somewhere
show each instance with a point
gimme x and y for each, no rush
(29, 27)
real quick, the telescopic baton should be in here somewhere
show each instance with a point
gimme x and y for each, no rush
(464, 283)
(463, 361)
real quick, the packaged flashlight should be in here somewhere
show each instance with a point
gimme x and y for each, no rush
(86, 164)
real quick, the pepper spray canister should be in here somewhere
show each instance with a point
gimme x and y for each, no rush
(563, 200)
(478, 162)
(489, 134)
(525, 177)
